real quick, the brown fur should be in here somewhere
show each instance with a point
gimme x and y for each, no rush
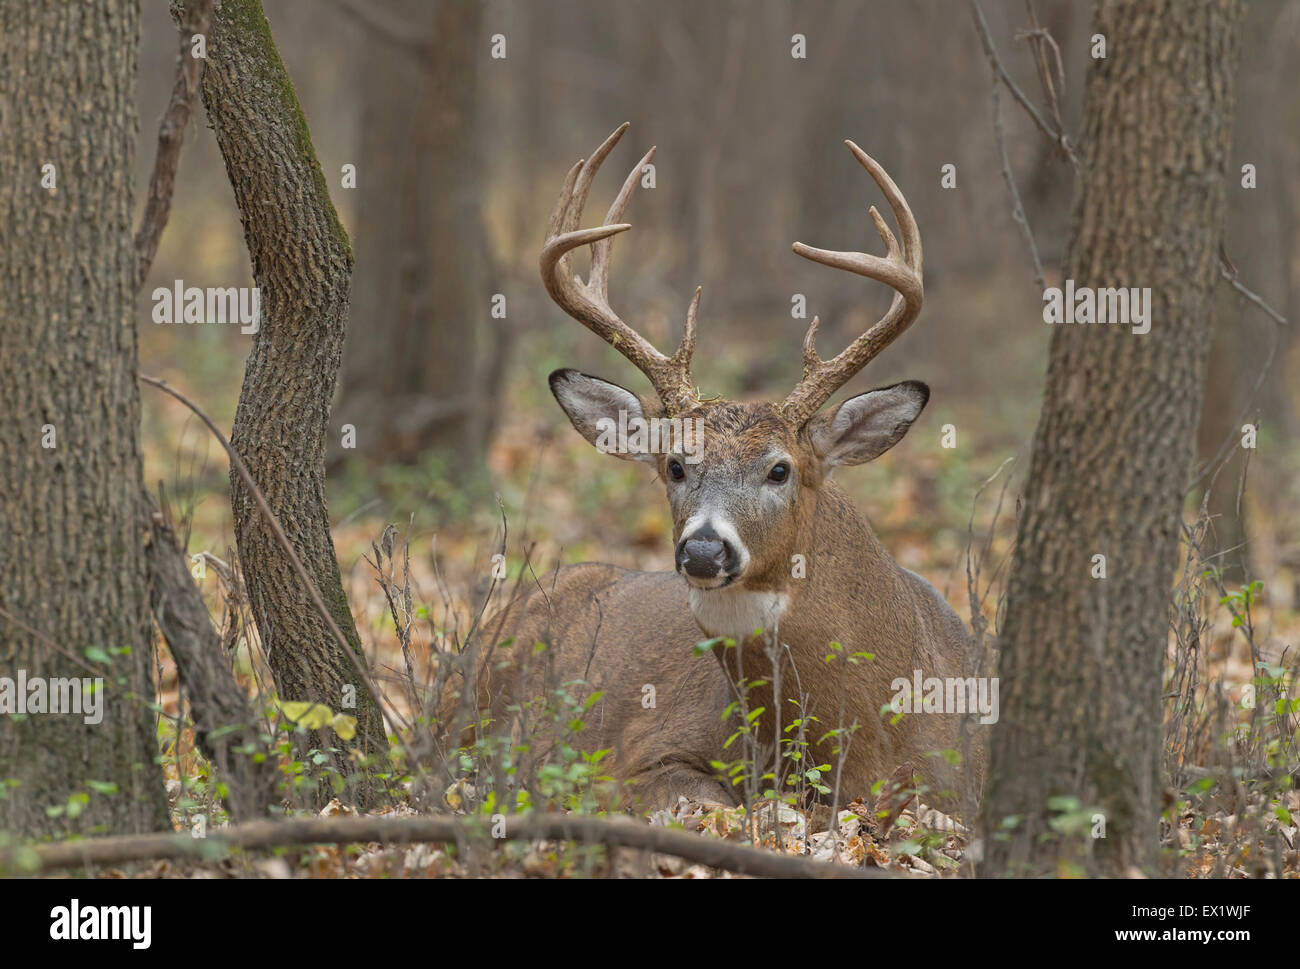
(620, 630)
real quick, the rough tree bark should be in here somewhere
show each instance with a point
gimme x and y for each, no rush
(1082, 658)
(302, 262)
(72, 570)
(225, 727)
(419, 372)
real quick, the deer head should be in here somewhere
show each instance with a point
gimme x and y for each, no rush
(743, 479)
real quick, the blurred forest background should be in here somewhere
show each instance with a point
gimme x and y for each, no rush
(459, 157)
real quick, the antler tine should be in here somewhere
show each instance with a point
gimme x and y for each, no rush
(555, 227)
(588, 302)
(568, 210)
(600, 251)
(576, 203)
(687, 347)
(810, 358)
(899, 268)
(587, 175)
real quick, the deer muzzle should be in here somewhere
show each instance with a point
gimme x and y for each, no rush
(706, 556)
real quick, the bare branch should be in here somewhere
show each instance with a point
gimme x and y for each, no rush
(1017, 206)
(1058, 138)
(1041, 40)
(238, 464)
(714, 852)
(171, 135)
(225, 726)
(1251, 296)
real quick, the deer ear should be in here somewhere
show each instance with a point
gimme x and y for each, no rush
(866, 426)
(599, 408)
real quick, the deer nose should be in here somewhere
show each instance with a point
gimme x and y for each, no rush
(703, 554)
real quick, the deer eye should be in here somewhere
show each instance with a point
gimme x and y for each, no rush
(780, 471)
(676, 470)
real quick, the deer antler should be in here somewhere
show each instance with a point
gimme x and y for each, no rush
(900, 268)
(588, 302)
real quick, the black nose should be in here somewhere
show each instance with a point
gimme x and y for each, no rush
(703, 554)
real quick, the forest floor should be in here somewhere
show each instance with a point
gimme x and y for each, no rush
(562, 502)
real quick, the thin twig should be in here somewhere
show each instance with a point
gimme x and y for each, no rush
(1058, 138)
(1220, 456)
(171, 136)
(238, 463)
(1038, 37)
(1041, 40)
(1017, 207)
(1252, 296)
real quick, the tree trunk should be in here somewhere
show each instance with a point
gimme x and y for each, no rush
(1261, 231)
(72, 573)
(1082, 657)
(419, 373)
(302, 263)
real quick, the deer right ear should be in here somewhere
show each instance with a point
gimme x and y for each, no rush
(598, 409)
(866, 426)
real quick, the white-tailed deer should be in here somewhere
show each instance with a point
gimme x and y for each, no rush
(768, 549)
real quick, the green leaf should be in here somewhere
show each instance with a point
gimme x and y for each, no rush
(344, 725)
(313, 716)
(706, 645)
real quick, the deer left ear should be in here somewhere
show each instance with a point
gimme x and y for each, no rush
(597, 408)
(866, 426)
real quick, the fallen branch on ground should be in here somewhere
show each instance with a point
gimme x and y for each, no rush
(617, 831)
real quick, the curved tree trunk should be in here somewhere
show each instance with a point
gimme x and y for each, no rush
(1082, 657)
(302, 263)
(72, 569)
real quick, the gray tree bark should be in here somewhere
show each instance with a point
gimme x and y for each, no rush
(302, 262)
(225, 727)
(72, 570)
(1082, 658)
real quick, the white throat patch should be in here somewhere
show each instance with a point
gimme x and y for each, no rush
(736, 613)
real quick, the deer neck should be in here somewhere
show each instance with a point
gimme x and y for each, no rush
(853, 594)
